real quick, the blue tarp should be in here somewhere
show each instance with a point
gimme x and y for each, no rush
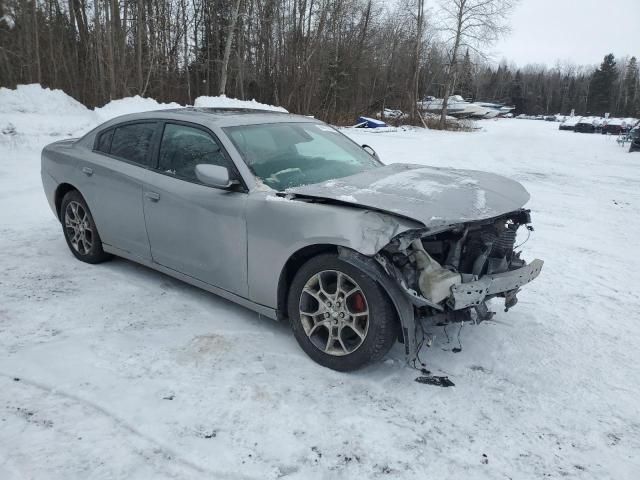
(366, 122)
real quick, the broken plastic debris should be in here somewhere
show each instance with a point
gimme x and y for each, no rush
(436, 381)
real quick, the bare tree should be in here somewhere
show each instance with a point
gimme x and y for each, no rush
(336, 59)
(227, 47)
(417, 56)
(36, 42)
(469, 24)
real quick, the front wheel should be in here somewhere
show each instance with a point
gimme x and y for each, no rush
(340, 316)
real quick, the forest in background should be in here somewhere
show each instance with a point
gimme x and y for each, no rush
(334, 59)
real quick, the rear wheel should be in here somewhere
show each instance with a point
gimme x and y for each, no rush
(340, 316)
(80, 230)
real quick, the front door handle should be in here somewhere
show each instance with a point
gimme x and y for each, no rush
(153, 196)
(87, 171)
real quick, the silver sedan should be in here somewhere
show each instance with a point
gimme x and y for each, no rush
(287, 216)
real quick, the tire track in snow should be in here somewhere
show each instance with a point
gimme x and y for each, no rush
(167, 452)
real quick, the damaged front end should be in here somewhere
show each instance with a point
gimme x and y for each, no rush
(449, 275)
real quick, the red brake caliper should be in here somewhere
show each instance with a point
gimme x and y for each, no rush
(358, 302)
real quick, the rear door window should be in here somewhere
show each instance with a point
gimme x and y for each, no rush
(104, 141)
(132, 142)
(184, 147)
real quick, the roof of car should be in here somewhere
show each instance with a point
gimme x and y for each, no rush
(222, 117)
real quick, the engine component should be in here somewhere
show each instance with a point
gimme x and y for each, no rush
(434, 281)
(503, 245)
(453, 258)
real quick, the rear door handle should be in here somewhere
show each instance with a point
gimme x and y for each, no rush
(87, 171)
(153, 196)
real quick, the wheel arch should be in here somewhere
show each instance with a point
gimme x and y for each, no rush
(291, 266)
(402, 306)
(61, 191)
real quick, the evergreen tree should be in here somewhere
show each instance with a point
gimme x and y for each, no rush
(631, 93)
(601, 87)
(466, 87)
(517, 98)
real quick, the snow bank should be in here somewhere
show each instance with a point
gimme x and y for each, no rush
(225, 102)
(36, 99)
(31, 110)
(34, 111)
(571, 121)
(127, 105)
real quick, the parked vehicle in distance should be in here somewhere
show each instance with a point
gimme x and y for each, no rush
(393, 114)
(496, 109)
(634, 134)
(585, 125)
(287, 216)
(628, 123)
(457, 107)
(569, 123)
(613, 126)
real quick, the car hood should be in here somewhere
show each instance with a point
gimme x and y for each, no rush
(432, 196)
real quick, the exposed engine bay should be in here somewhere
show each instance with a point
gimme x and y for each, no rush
(455, 271)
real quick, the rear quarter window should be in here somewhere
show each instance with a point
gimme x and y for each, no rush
(132, 142)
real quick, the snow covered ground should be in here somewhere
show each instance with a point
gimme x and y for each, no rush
(116, 371)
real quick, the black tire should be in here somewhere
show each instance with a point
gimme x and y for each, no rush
(381, 331)
(93, 254)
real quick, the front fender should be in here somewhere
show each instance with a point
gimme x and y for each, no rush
(278, 227)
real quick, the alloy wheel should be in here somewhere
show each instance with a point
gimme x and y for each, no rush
(334, 312)
(78, 228)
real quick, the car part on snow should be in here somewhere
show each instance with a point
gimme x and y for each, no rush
(436, 381)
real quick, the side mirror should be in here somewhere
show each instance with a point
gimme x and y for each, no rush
(214, 175)
(370, 151)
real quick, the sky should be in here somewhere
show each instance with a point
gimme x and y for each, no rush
(579, 31)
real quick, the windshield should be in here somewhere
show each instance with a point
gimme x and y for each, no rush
(285, 155)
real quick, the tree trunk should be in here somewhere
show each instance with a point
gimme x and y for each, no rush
(416, 65)
(36, 43)
(110, 53)
(185, 41)
(139, 34)
(450, 74)
(227, 48)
